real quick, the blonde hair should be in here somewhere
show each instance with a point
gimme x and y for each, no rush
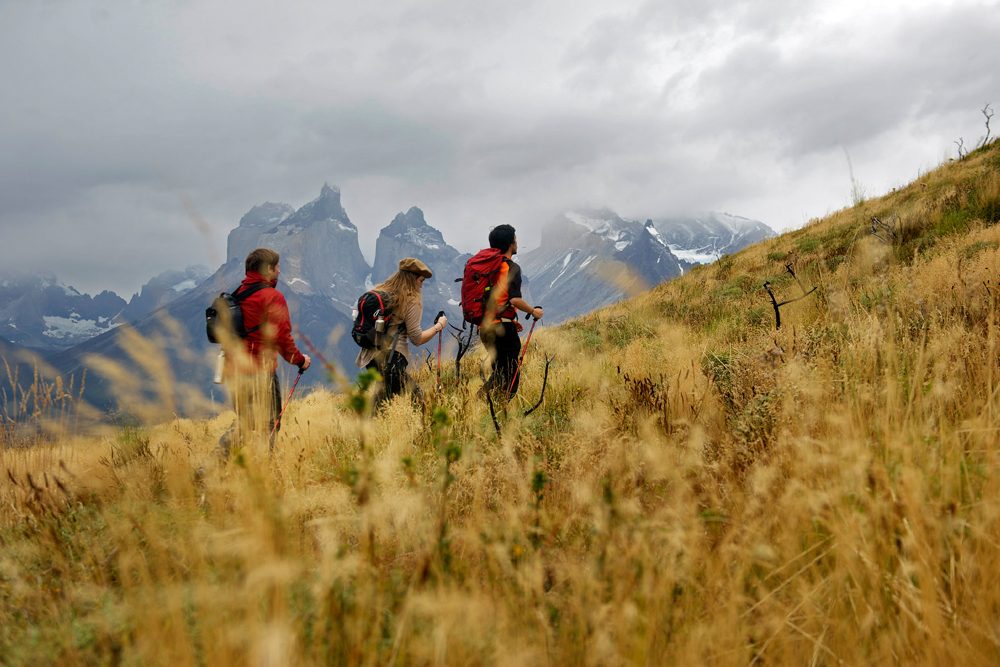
(404, 289)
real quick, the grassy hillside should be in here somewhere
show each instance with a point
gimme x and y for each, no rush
(698, 486)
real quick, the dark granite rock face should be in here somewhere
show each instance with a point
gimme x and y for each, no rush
(253, 224)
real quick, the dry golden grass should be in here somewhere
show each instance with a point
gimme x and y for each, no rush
(698, 488)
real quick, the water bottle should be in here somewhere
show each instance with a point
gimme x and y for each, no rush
(220, 362)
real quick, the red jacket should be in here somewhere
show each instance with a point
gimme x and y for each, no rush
(268, 310)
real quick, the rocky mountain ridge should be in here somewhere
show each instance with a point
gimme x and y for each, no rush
(590, 258)
(577, 268)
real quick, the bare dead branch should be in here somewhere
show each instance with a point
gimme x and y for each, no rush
(884, 231)
(493, 412)
(778, 304)
(961, 147)
(791, 270)
(466, 342)
(774, 302)
(988, 113)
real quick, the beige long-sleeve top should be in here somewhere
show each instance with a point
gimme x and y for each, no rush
(410, 320)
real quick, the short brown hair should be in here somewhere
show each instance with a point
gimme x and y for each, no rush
(260, 258)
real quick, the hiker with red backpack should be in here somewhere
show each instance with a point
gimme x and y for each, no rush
(387, 320)
(491, 297)
(263, 331)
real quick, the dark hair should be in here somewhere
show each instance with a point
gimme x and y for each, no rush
(260, 258)
(502, 237)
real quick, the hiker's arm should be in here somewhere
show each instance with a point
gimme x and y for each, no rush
(523, 306)
(283, 339)
(418, 336)
(434, 330)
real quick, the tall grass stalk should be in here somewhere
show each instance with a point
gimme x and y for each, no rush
(697, 488)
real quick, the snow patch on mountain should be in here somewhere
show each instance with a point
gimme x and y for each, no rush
(696, 256)
(185, 285)
(656, 235)
(75, 327)
(565, 266)
(423, 237)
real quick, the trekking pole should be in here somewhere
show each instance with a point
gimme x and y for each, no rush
(330, 368)
(277, 422)
(438, 317)
(524, 350)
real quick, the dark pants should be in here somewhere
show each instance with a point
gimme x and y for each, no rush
(394, 378)
(503, 342)
(257, 401)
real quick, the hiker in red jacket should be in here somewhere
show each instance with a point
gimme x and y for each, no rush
(251, 372)
(501, 337)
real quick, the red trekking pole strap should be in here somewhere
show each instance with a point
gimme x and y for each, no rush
(439, 359)
(521, 359)
(438, 317)
(277, 422)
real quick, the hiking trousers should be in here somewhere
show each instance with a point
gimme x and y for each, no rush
(504, 345)
(257, 402)
(394, 378)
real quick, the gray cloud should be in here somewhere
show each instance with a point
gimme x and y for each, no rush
(117, 113)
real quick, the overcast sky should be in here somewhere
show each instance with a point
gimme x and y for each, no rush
(133, 135)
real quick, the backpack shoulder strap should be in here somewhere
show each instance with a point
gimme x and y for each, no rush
(252, 289)
(239, 298)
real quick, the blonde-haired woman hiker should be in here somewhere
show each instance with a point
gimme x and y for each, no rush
(406, 306)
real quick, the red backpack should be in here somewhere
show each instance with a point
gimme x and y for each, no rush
(477, 282)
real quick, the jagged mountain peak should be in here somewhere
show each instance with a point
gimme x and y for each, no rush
(267, 214)
(326, 208)
(413, 218)
(412, 228)
(410, 235)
